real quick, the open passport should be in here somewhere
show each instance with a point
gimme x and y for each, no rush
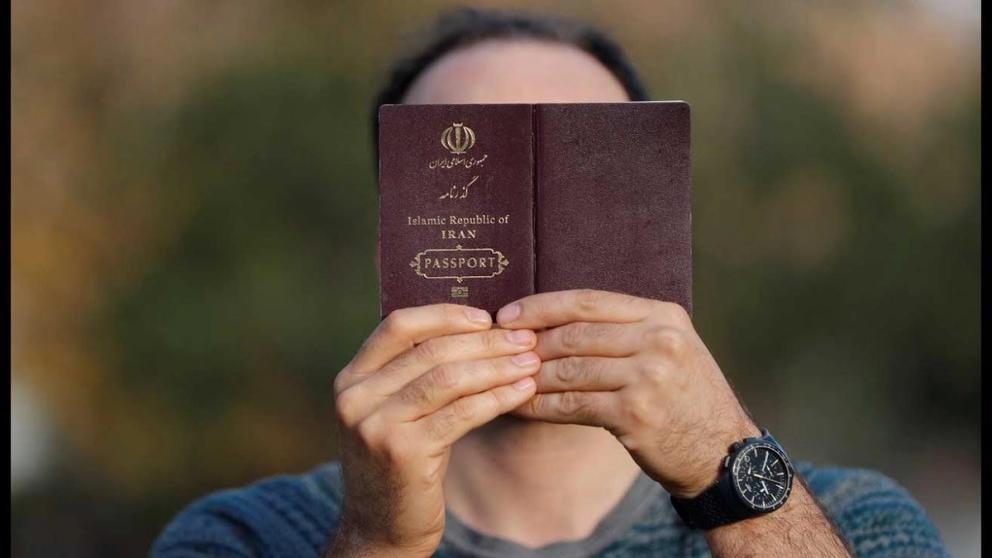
(484, 204)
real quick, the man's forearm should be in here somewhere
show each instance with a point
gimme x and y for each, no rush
(799, 528)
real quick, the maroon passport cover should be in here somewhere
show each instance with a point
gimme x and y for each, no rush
(484, 204)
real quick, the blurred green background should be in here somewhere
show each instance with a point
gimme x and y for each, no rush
(194, 218)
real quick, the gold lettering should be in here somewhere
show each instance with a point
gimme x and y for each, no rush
(422, 221)
(459, 262)
(458, 193)
(448, 234)
(452, 162)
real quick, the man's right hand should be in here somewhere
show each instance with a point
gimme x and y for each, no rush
(423, 379)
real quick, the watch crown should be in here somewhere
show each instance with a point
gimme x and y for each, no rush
(726, 462)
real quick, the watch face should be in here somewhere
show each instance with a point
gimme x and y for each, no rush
(762, 476)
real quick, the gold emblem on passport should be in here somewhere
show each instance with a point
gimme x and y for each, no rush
(459, 292)
(459, 263)
(457, 138)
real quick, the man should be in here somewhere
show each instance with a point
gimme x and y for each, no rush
(581, 423)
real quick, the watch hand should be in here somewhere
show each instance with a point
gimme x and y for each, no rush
(756, 475)
(764, 466)
(764, 487)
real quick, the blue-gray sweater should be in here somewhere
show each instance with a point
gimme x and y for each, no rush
(294, 516)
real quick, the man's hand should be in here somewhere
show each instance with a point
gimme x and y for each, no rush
(424, 378)
(637, 368)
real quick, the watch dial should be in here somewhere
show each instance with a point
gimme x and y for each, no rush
(762, 477)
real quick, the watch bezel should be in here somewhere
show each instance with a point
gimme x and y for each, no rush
(733, 470)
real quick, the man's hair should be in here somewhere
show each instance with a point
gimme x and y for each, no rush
(461, 27)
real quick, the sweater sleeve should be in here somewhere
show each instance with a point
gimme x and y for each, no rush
(200, 531)
(279, 516)
(878, 517)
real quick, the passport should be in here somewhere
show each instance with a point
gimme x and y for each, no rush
(482, 204)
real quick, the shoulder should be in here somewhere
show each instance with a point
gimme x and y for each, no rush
(874, 513)
(285, 515)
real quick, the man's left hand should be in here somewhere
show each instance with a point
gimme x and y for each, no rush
(637, 368)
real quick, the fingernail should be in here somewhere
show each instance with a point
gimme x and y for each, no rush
(477, 315)
(520, 336)
(524, 384)
(525, 359)
(509, 313)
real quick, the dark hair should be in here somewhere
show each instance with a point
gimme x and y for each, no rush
(464, 26)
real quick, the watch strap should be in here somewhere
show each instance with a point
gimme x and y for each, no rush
(710, 508)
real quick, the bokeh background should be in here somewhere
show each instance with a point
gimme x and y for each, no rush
(194, 216)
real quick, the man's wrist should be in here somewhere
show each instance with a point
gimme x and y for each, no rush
(799, 527)
(717, 448)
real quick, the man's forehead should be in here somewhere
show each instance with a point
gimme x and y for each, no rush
(516, 71)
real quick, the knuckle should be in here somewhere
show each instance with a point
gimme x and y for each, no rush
(573, 403)
(442, 422)
(656, 373)
(346, 407)
(569, 370)
(668, 340)
(598, 330)
(429, 351)
(339, 383)
(588, 300)
(570, 336)
(396, 323)
(464, 409)
(680, 315)
(637, 411)
(493, 340)
(416, 394)
(534, 405)
(444, 376)
(496, 401)
(370, 433)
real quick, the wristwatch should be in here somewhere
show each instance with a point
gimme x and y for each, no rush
(756, 478)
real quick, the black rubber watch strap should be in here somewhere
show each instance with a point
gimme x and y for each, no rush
(709, 509)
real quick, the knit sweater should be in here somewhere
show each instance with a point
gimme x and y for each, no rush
(295, 516)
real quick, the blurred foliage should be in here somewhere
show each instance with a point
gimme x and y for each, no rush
(194, 232)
